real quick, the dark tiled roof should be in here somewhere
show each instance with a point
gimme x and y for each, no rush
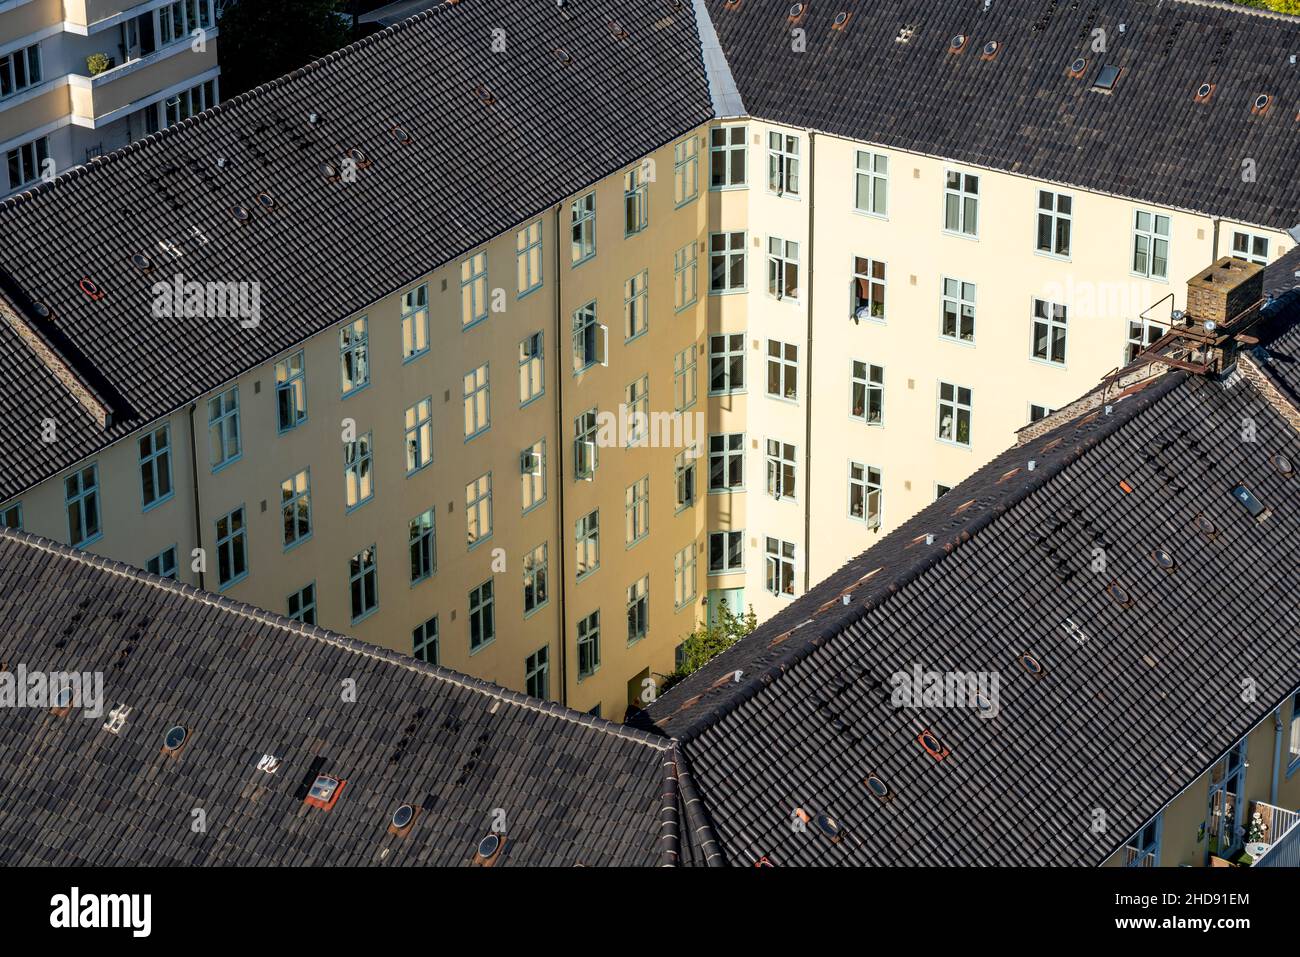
(573, 788)
(1022, 112)
(416, 207)
(1122, 719)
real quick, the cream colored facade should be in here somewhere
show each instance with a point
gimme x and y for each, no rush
(54, 114)
(775, 404)
(1262, 773)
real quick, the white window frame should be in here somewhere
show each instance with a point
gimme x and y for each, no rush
(686, 171)
(419, 435)
(586, 537)
(870, 177)
(636, 306)
(473, 290)
(865, 269)
(532, 368)
(582, 229)
(1056, 220)
(967, 202)
(782, 470)
(478, 510)
(636, 511)
(866, 489)
(528, 259)
(724, 143)
(1152, 237)
(727, 537)
(1053, 318)
(956, 406)
(783, 163)
(415, 322)
(476, 400)
(730, 253)
(781, 564)
(871, 385)
(782, 264)
(784, 369)
(731, 447)
(957, 298)
(727, 355)
(686, 276)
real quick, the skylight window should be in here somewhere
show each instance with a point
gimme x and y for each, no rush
(1077, 67)
(841, 20)
(175, 739)
(990, 50)
(488, 850)
(878, 788)
(1283, 464)
(1248, 501)
(1204, 92)
(325, 791)
(958, 43)
(1032, 665)
(1163, 559)
(1261, 104)
(796, 12)
(932, 745)
(1107, 78)
(828, 826)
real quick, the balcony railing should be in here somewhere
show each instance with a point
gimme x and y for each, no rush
(1281, 834)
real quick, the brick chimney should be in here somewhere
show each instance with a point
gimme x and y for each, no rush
(1224, 291)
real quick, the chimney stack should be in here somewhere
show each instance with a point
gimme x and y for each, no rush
(1224, 291)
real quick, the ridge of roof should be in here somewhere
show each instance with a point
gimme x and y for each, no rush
(777, 644)
(225, 605)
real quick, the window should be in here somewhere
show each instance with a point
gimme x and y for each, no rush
(473, 290)
(867, 393)
(684, 478)
(25, 162)
(636, 304)
(164, 563)
(585, 457)
(478, 509)
(19, 70)
(871, 194)
(11, 516)
(781, 470)
(1293, 746)
(1144, 850)
(354, 355)
(783, 163)
(1049, 331)
(637, 400)
(864, 493)
(478, 404)
(958, 321)
(415, 322)
(954, 413)
(188, 103)
(726, 363)
(1054, 223)
(868, 288)
(1150, 244)
(586, 533)
(419, 435)
(424, 641)
(1141, 334)
(176, 20)
(684, 385)
(726, 552)
(961, 203)
(726, 461)
(685, 276)
(727, 157)
(582, 245)
(528, 258)
(532, 475)
(363, 581)
(782, 268)
(780, 567)
(482, 623)
(232, 548)
(302, 605)
(290, 392)
(686, 171)
(537, 673)
(1037, 412)
(589, 645)
(223, 428)
(684, 576)
(295, 508)
(590, 339)
(782, 370)
(636, 204)
(81, 495)
(536, 593)
(155, 466)
(358, 473)
(636, 509)
(423, 542)
(638, 610)
(1250, 247)
(726, 262)
(531, 379)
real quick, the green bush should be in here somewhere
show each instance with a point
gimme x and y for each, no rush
(708, 641)
(97, 63)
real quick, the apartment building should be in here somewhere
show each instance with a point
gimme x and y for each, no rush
(81, 78)
(1135, 712)
(1082, 655)
(843, 311)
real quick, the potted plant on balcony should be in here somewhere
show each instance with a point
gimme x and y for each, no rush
(97, 63)
(1256, 836)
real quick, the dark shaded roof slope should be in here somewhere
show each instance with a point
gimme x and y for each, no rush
(567, 787)
(1021, 110)
(412, 208)
(1121, 719)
